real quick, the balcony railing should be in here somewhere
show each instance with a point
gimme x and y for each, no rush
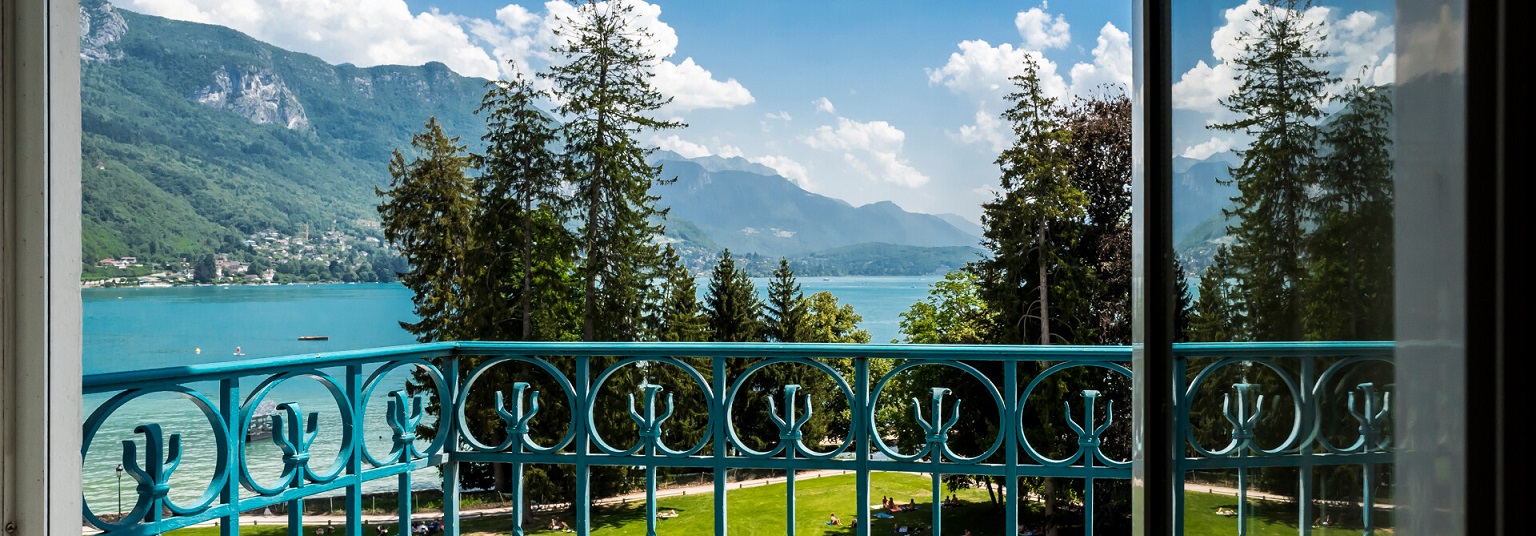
(1327, 414)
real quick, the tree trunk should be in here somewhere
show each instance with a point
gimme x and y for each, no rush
(1045, 339)
(527, 268)
(1050, 506)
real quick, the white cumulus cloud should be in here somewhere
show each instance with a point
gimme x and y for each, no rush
(1201, 88)
(871, 148)
(824, 105)
(361, 32)
(387, 32)
(1040, 30)
(982, 71)
(692, 87)
(680, 146)
(1111, 65)
(1205, 150)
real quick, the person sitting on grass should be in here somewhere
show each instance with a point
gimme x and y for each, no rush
(911, 503)
(833, 520)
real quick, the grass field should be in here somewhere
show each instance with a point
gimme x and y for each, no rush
(760, 511)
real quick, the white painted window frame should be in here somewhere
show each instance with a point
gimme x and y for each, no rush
(40, 311)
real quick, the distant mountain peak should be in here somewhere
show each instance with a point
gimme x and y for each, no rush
(101, 31)
(716, 162)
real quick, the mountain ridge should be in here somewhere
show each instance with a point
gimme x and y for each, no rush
(197, 136)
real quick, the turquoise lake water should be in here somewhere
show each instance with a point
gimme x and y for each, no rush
(130, 329)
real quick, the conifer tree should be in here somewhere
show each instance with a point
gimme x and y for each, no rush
(606, 98)
(786, 307)
(520, 208)
(1035, 200)
(677, 316)
(1217, 313)
(1349, 291)
(427, 213)
(1183, 309)
(732, 304)
(1278, 101)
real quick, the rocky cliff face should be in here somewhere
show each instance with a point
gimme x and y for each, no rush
(101, 29)
(255, 93)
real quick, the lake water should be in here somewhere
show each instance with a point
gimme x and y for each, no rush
(130, 329)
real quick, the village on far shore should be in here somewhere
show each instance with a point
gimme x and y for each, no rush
(267, 257)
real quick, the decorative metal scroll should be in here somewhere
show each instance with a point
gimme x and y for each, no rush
(427, 425)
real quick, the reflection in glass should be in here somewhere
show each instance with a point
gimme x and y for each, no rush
(1283, 205)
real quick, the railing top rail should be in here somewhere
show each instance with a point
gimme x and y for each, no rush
(1284, 349)
(112, 381)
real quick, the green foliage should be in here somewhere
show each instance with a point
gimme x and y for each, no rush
(1035, 200)
(732, 306)
(428, 213)
(1217, 315)
(953, 313)
(678, 317)
(1183, 310)
(1101, 168)
(1349, 253)
(828, 322)
(604, 87)
(1278, 101)
(785, 320)
(204, 270)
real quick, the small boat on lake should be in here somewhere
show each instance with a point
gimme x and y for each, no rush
(314, 337)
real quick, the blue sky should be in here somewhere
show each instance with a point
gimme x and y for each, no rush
(861, 100)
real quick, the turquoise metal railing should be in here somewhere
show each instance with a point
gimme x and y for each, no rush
(1321, 381)
(366, 386)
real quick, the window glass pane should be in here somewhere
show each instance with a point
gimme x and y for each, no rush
(1283, 206)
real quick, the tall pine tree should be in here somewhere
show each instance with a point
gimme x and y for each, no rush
(732, 305)
(677, 316)
(427, 213)
(606, 98)
(1036, 199)
(520, 223)
(1278, 102)
(786, 308)
(1349, 291)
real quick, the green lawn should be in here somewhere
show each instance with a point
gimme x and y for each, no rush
(1267, 518)
(759, 511)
